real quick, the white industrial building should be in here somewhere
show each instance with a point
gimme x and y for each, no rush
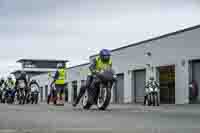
(173, 59)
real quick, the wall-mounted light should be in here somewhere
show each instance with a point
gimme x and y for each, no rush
(183, 63)
(148, 54)
(129, 72)
(148, 65)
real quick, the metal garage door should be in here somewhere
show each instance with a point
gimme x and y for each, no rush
(139, 82)
(74, 92)
(66, 92)
(118, 91)
(41, 94)
(46, 91)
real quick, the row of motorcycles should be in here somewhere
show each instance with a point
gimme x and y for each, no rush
(20, 95)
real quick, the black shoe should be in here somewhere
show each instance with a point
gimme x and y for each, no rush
(74, 104)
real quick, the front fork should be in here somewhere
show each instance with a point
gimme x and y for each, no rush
(101, 91)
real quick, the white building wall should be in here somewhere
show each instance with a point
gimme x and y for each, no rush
(76, 73)
(165, 51)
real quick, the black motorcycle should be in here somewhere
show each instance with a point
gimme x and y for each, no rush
(8, 96)
(1, 95)
(21, 92)
(34, 97)
(102, 95)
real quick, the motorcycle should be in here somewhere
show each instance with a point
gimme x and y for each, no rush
(8, 96)
(34, 97)
(34, 94)
(102, 95)
(21, 92)
(1, 95)
(152, 94)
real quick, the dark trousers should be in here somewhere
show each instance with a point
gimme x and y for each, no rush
(83, 88)
(60, 90)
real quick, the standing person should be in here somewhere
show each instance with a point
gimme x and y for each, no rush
(59, 80)
(100, 63)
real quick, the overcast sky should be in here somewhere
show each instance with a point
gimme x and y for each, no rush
(76, 29)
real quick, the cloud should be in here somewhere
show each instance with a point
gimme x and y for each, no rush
(75, 29)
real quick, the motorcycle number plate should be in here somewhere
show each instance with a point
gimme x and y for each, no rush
(150, 89)
(21, 84)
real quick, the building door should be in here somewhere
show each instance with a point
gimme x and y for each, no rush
(118, 91)
(167, 84)
(74, 92)
(46, 91)
(195, 93)
(83, 82)
(139, 85)
(66, 92)
(41, 94)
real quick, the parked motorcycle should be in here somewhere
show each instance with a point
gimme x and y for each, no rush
(152, 94)
(102, 96)
(1, 95)
(21, 92)
(8, 96)
(34, 94)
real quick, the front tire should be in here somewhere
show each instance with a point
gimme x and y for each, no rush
(85, 101)
(106, 99)
(36, 99)
(48, 99)
(149, 99)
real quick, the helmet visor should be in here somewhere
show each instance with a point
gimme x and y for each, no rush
(105, 58)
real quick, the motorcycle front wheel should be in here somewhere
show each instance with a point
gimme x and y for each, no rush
(104, 99)
(85, 101)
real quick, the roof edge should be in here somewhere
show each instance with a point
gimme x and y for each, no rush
(155, 38)
(78, 65)
(51, 60)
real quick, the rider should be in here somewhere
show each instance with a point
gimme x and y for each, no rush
(10, 86)
(59, 79)
(10, 83)
(100, 63)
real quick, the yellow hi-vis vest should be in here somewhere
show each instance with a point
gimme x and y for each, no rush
(11, 84)
(61, 77)
(100, 65)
